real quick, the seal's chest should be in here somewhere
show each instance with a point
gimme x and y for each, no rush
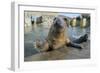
(56, 41)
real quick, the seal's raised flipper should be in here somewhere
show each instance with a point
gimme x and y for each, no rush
(82, 39)
(42, 46)
(74, 45)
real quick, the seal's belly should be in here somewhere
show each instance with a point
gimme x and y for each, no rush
(55, 43)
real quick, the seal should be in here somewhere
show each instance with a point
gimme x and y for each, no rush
(57, 38)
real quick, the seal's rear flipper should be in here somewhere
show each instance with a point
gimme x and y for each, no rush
(82, 39)
(74, 45)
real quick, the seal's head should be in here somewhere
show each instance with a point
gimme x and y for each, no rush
(59, 24)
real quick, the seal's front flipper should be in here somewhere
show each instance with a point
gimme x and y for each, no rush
(74, 45)
(42, 46)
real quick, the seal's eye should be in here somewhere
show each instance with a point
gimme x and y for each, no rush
(66, 21)
(54, 19)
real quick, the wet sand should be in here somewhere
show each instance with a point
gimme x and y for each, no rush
(66, 53)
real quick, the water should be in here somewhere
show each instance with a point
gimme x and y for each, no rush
(41, 32)
(76, 32)
(38, 32)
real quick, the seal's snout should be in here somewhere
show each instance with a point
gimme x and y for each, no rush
(58, 22)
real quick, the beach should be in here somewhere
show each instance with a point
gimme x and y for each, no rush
(67, 53)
